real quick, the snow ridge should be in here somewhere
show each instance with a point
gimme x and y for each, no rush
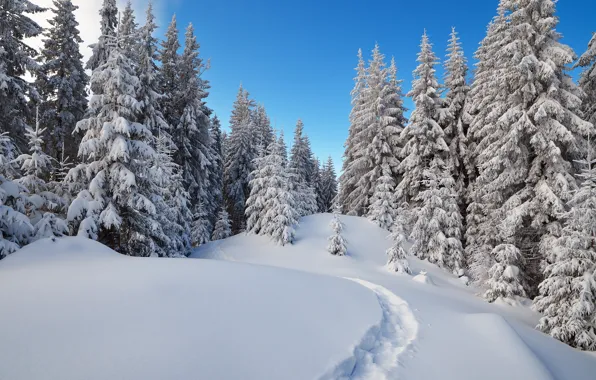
(377, 355)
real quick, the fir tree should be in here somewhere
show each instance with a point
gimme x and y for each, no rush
(16, 60)
(169, 75)
(587, 80)
(116, 206)
(382, 210)
(301, 168)
(128, 30)
(350, 172)
(526, 162)
(455, 127)
(567, 295)
(504, 276)
(263, 130)
(222, 226)
(337, 244)
(271, 205)
(62, 81)
(109, 25)
(398, 257)
(328, 187)
(15, 228)
(424, 138)
(240, 153)
(42, 203)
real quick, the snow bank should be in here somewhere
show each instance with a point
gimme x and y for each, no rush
(74, 309)
(459, 335)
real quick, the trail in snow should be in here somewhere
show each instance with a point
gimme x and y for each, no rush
(377, 357)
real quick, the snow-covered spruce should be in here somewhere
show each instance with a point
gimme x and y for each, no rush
(350, 173)
(337, 244)
(505, 276)
(116, 204)
(377, 123)
(15, 228)
(326, 187)
(525, 160)
(61, 82)
(587, 80)
(398, 257)
(382, 209)
(437, 232)
(301, 169)
(271, 207)
(567, 297)
(109, 26)
(16, 60)
(239, 160)
(222, 226)
(42, 203)
(454, 125)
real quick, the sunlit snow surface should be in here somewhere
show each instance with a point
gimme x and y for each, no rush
(73, 309)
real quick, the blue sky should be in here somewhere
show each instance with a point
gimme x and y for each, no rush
(297, 57)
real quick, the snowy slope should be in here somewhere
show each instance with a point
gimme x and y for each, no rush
(459, 336)
(73, 309)
(76, 310)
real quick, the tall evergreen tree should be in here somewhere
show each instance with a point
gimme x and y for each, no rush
(16, 60)
(216, 176)
(128, 30)
(301, 168)
(424, 138)
(455, 127)
(169, 75)
(240, 153)
(398, 257)
(428, 184)
(116, 205)
(62, 81)
(567, 297)
(487, 102)
(42, 204)
(587, 80)
(526, 166)
(383, 209)
(328, 187)
(263, 130)
(109, 25)
(350, 172)
(271, 206)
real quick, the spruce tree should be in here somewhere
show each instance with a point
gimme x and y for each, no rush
(16, 60)
(222, 228)
(216, 175)
(15, 228)
(61, 82)
(487, 102)
(128, 30)
(240, 153)
(567, 295)
(398, 257)
(301, 168)
(587, 80)
(271, 208)
(109, 25)
(382, 210)
(455, 126)
(42, 204)
(116, 205)
(350, 172)
(169, 75)
(504, 276)
(263, 130)
(424, 138)
(337, 244)
(525, 164)
(328, 187)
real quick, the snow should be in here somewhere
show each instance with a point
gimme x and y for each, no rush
(247, 308)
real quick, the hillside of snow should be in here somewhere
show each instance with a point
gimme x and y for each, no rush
(244, 308)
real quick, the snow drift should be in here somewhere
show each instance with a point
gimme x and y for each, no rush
(250, 309)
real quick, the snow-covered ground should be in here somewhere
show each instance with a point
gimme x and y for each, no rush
(73, 309)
